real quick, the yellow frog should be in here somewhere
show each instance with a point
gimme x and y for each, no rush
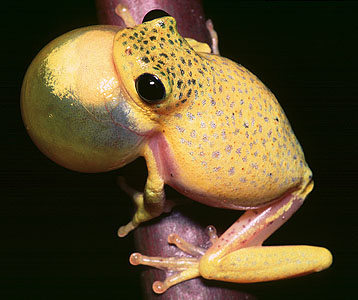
(97, 98)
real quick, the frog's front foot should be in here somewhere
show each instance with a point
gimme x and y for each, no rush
(185, 267)
(141, 214)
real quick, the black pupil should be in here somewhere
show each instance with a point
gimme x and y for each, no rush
(150, 88)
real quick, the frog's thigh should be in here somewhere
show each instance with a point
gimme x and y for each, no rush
(257, 264)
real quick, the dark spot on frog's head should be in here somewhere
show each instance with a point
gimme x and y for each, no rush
(164, 55)
(135, 34)
(145, 42)
(152, 38)
(183, 101)
(179, 83)
(171, 28)
(145, 59)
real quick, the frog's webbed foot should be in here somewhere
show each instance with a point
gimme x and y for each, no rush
(185, 268)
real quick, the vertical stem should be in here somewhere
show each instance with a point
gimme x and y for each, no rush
(151, 238)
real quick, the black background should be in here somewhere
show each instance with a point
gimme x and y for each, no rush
(58, 228)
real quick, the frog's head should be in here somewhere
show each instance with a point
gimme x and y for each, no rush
(155, 66)
(73, 107)
(92, 96)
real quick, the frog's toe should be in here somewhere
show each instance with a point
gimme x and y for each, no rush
(185, 267)
(211, 232)
(190, 248)
(124, 230)
(160, 287)
(185, 246)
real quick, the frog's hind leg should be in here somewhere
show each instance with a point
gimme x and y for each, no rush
(238, 255)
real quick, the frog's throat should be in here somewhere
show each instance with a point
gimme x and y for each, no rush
(164, 157)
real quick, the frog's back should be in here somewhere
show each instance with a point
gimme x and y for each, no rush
(232, 142)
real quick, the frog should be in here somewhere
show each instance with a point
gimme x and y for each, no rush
(205, 125)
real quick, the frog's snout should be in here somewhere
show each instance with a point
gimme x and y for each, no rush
(72, 105)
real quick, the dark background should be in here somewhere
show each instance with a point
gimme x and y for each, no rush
(58, 227)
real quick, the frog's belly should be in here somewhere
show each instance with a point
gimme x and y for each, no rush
(250, 191)
(226, 182)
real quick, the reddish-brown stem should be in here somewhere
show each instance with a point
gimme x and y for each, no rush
(151, 238)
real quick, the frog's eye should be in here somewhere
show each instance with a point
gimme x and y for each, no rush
(150, 88)
(155, 14)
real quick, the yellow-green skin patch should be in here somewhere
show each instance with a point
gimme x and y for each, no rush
(229, 141)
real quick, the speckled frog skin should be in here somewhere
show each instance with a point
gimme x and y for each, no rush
(97, 98)
(217, 124)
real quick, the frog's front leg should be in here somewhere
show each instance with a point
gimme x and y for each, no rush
(238, 255)
(151, 202)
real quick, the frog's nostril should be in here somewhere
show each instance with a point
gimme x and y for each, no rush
(155, 14)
